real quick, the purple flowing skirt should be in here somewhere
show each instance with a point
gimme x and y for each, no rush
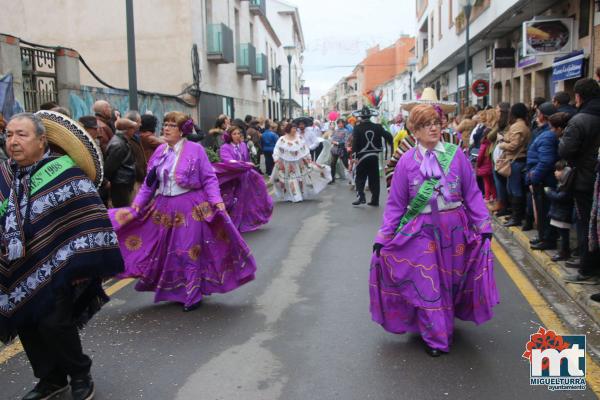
(245, 195)
(431, 272)
(182, 248)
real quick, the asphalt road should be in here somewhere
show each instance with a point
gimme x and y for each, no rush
(301, 330)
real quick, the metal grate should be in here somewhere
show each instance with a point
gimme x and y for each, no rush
(39, 77)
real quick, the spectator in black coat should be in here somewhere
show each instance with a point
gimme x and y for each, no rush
(579, 147)
(561, 101)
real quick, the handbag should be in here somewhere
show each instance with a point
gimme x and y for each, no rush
(503, 166)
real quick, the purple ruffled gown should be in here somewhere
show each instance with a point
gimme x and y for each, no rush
(179, 245)
(243, 189)
(436, 267)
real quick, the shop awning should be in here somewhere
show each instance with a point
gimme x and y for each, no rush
(569, 66)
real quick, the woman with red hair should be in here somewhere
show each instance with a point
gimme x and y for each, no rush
(432, 259)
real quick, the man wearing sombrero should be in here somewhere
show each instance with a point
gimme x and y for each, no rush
(367, 143)
(56, 246)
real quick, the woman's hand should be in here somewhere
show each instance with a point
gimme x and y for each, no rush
(221, 206)
(377, 249)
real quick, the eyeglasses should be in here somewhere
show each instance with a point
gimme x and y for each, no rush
(428, 125)
(169, 125)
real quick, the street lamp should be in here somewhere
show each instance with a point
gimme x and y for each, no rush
(467, 5)
(302, 94)
(289, 51)
(412, 63)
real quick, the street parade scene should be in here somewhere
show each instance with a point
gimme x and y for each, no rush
(294, 199)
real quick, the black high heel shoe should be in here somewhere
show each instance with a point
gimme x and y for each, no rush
(192, 307)
(433, 352)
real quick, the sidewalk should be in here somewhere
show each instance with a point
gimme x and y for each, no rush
(555, 270)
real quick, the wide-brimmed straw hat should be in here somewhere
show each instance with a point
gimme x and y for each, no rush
(430, 97)
(71, 139)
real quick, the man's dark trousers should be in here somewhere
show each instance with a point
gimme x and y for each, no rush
(368, 168)
(53, 345)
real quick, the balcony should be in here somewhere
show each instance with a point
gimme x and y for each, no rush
(262, 69)
(219, 44)
(258, 7)
(423, 61)
(246, 59)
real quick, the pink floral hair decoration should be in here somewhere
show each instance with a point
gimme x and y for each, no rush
(187, 127)
(439, 110)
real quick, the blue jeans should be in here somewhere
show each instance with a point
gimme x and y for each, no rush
(514, 186)
(501, 193)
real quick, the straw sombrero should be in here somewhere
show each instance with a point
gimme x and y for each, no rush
(429, 97)
(73, 140)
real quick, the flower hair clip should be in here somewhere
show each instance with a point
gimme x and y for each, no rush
(187, 127)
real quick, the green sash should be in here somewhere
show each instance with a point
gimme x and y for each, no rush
(418, 203)
(44, 176)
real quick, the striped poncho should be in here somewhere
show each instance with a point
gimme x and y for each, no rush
(65, 236)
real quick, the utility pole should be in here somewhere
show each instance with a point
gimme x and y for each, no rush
(133, 100)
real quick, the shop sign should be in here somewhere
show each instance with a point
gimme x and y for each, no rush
(547, 36)
(568, 67)
(504, 57)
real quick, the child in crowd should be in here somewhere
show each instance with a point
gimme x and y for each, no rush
(561, 208)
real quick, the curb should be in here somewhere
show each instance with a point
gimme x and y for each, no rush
(555, 270)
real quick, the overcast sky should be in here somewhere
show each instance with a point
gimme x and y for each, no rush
(338, 33)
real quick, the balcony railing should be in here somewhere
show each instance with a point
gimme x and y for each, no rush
(219, 44)
(258, 7)
(423, 61)
(246, 59)
(262, 69)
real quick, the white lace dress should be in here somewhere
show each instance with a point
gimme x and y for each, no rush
(295, 176)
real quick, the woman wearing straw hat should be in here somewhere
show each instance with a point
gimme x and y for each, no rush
(177, 237)
(58, 248)
(431, 258)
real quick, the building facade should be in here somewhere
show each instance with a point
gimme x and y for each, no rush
(495, 24)
(215, 56)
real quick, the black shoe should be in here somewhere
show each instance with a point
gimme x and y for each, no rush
(433, 352)
(372, 204)
(560, 256)
(595, 297)
(527, 226)
(573, 264)
(82, 387)
(535, 240)
(543, 246)
(46, 390)
(512, 222)
(582, 279)
(359, 201)
(192, 307)
(503, 213)
(331, 182)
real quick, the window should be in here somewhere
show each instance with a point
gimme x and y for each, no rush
(440, 20)
(208, 11)
(251, 33)
(432, 30)
(450, 15)
(584, 18)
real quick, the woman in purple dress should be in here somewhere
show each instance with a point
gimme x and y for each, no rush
(243, 189)
(432, 259)
(177, 237)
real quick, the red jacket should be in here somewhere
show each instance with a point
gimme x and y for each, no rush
(484, 158)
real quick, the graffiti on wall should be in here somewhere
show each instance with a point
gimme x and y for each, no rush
(81, 101)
